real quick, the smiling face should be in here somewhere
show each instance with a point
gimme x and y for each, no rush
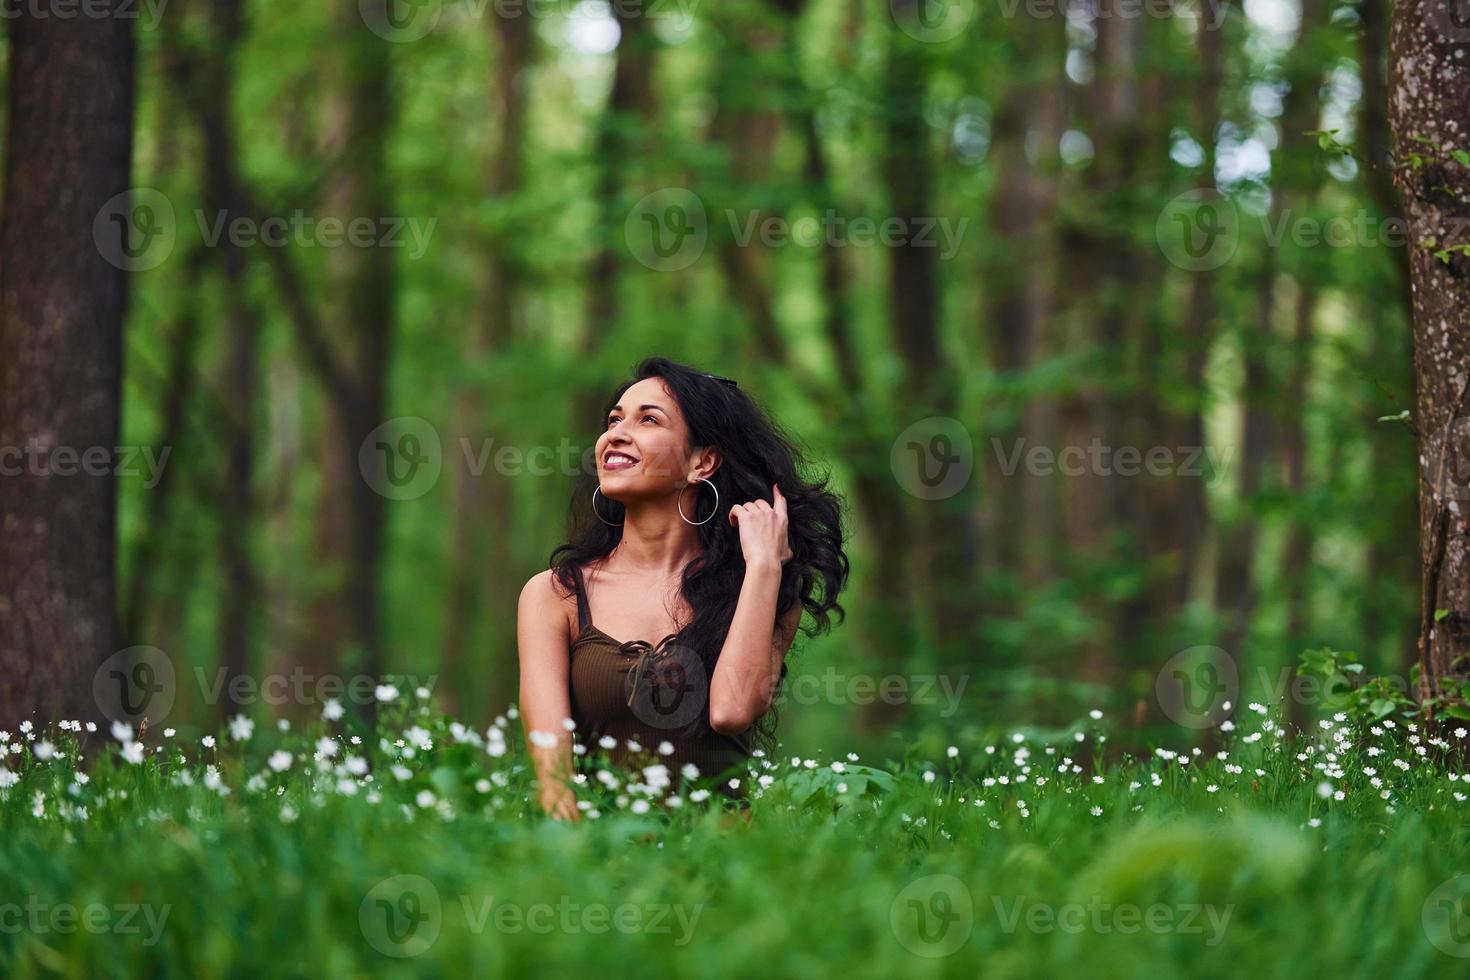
(644, 450)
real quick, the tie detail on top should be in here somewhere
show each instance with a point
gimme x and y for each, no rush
(644, 652)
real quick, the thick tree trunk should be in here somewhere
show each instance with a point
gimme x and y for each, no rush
(62, 306)
(1183, 499)
(1428, 104)
(1023, 510)
(238, 371)
(480, 574)
(359, 324)
(946, 547)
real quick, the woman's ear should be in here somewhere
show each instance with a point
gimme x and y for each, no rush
(705, 463)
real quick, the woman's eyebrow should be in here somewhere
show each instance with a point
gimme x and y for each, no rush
(641, 408)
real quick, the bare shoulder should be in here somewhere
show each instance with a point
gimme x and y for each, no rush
(544, 599)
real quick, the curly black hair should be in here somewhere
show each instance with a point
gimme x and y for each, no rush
(756, 453)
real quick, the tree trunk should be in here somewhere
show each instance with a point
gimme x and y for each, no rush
(1428, 106)
(351, 512)
(947, 544)
(238, 371)
(1023, 510)
(480, 573)
(62, 307)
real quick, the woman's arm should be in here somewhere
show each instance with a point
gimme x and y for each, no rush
(750, 661)
(545, 695)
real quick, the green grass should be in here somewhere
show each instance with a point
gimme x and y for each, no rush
(971, 873)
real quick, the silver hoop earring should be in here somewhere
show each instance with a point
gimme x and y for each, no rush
(680, 502)
(595, 492)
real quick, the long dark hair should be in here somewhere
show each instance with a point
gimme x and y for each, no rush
(756, 452)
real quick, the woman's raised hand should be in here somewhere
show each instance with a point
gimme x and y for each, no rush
(763, 529)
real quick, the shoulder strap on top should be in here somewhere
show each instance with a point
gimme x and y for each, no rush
(584, 615)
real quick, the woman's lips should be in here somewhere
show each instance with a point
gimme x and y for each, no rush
(619, 463)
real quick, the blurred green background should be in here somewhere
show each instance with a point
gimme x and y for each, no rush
(1166, 227)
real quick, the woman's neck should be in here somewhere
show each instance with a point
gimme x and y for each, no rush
(656, 540)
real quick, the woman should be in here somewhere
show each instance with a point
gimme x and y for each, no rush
(703, 532)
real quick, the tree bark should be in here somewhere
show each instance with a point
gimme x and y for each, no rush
(353, 353)
(223, 195)
(480, 573)
(1428, 104)
(946, 547)
(62, 308)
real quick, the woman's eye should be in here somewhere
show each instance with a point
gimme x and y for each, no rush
(647, 417)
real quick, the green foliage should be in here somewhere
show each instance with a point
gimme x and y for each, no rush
(416, 850)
